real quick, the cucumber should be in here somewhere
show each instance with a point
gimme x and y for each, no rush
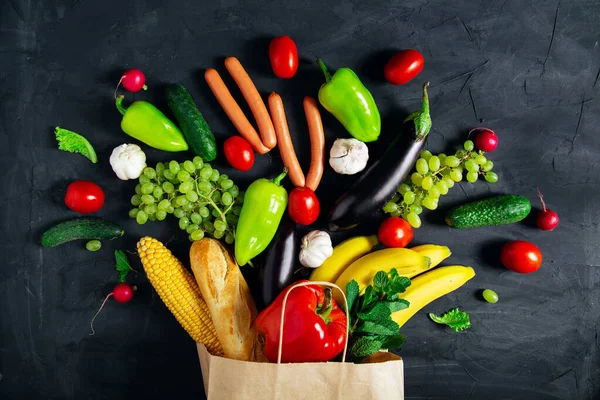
(195, 129)
(496, 210)
(81, 228)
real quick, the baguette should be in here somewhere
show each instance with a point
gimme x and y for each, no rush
(228, 297)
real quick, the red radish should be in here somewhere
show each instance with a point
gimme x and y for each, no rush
(122, 293)
(546, 219)
(485, 139)
(133, 80)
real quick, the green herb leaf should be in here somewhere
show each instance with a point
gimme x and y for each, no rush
(455, 319)
(385, 327)
(393, 342)
(379, 312)
(365, 346)
(393, 274)
(122, 264)
(399, 285)
(368, 298)
(380, 281)
(396, 305)
(351, 294)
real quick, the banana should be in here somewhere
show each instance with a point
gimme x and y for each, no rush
(435, 252)
(343, 255)
(407, 262)
(430, 286)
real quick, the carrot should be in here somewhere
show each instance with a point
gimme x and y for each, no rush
(233, 110)
(256, 103)
(284, 140)
(317, 143)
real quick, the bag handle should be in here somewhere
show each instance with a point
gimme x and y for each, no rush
(285, 298)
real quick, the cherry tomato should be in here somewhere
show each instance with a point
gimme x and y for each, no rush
(395, 232)
(239, 153)
(403, 66)
(303, 206)
(284, 57)
(521, 256)
(84, 197)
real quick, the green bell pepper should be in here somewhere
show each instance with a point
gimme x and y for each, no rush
(265, 202)
(351, 103)
(146, 123)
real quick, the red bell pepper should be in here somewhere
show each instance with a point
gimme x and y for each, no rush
(314, 326)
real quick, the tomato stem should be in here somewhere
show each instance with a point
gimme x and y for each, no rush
(541, 199)
(98, 312)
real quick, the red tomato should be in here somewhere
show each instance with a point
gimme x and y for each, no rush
(284, 57)
(303, 206)
(239, 153)
(84, 197)
(521, 256)
(403, 66)
(395, 232)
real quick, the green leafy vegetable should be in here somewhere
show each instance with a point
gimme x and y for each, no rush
(75, 143)
(365, 346)
(122, 264)
(455, 319)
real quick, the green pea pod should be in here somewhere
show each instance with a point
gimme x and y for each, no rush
(265, 202)
(146, 123)
(351, 103)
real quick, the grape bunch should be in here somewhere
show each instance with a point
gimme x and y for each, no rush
(433, 177)
(204, 201)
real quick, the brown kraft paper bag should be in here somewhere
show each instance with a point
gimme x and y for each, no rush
(380, 377)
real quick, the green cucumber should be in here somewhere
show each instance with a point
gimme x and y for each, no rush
(497, 210)
(195, 129)
(87, 228)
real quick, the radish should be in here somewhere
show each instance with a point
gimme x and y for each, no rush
(133, 80)
(546, 219)
(485, 139)
(122, 293)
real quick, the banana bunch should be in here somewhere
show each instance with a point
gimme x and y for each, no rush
(353, 260)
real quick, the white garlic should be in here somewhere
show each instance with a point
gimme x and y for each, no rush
(348, 156)
(128, 161)
(315, 249)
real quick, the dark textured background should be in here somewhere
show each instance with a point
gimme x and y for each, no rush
(527, 69)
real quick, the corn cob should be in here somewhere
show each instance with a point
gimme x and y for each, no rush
(179, 291)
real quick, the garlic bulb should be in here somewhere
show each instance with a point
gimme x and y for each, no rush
(315, 249)
(348, 156)
(128, 161)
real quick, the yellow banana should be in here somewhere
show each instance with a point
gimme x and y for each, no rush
(430, 286)
(343, 255)
(435, 252)
(407, 262)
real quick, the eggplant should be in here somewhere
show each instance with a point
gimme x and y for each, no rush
(278, 262)
(379, 182)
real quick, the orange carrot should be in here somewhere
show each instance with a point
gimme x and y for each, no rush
(317, 143)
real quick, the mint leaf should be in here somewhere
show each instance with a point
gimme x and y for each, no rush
(397, 305)
(393, 342)
(122, 264)
(369, 297)
(385, 327)
(351, 294)
(365, 346)
(399, 285)
(380, 281)
(393, 274)
(455, 319)
(378, 312)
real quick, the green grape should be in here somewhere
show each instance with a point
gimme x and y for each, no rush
(147, 199)
(396, 213)
(214, 175)
(147, 188)
(141, 217)
(157, 192)
(425, 154)
(93, 245)
(461, 169)
(417, 201)
(442, 186)
(160, 169)
(216, 196)
(144, 179)
(183, 222)
(152, 217)
(413, 219)
(471, 165)
(226, 199)
(150, 209)
(229, 238)
(186, 186)
(218, 234)
(416, 209)
(168, 187)
(183, 176)
(403, 188)
(136, 200)
(223, 177)
(188, 207)
(452, 161)
(427, 183)
(220, 225)
(234, 190)
(204, 187)
(215, 213)
(460, 153)
(198, 163)
(191, 228)
(173, 167)
(150, 172)
(231, 219)
(442, 158)
(196, 218)
(422, 166)
(434, 192)
(240, 198)
(434, 163)
(204, 212)
(191, 196)
(138, 189)
(237, 210)
(161, 215)
(490, 296)
(395, 198)
(179, 213)
(171, 209)
(197, 234)
(430, 203)
(390, 207)
(189, 166)
(206, 172)
(409, 198)
(480, 159)
(472, 176)
(169, 175)
(416, 178)
(469, 145)
(487, 166)
(133, 212)
(181, 201)
(491, 177)
(208, 226)
(226, 184)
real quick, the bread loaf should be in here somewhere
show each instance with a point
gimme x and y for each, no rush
(228, 297)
